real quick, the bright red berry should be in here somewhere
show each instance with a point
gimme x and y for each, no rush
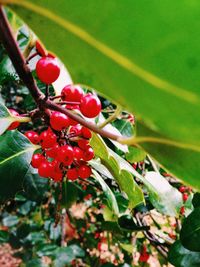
(87, 197)
(182, 210)
(57, 176)
(83, 144)
(37, 159)
(182, 189)
(185, 197)
(90, 106)
(47, 139)
(72, 174)
(32, 136)
(15, 124)
(84, 171)
(45, 169)
(78, 153)
(52, 152)
(47, 69)
(72, 93)
(86, 133)
(88, 154)
(59, 121)
(76, 130)
(72, 122)
(65, 155)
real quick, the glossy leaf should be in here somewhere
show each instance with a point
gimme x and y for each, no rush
(111, 200)
(196, 200)
(136, 57)
(123, 177)
(135, 154)
(182, 257)
(190, 232)
(127, 222)
(15, 156)
(164, 197)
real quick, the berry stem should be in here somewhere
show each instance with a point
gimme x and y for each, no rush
(111, 118)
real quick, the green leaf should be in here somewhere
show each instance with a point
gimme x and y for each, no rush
(35, 187)
(164, 197)
(36, 263)
(196, 200)
(127, 222)
(182, 257)
(15, 156)
(142, 58)
(4, 236)
(190, 232)
(111, 200)
(46, 249)
(114, 164)
(10, 220)
(124, 126)
(135, 154)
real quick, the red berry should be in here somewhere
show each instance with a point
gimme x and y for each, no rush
(84, 171)
(40, 48)
(72, 93)
(47, 139)
(70, 106)
(90, 106)
(47, 69)
(86, 133)
(83, 144)
(15, 124)
(185, 197)
(144, 257)
(87, 197)
(32, 136)
(72, 174)
(59, 121)
(182, 189)
(182, 210)
(76, 129)
(88, 154)
(65, 155)
(78, 153)
(45, 169)
(72, 122)
(37, 159)
(52, 152)
(57, 176)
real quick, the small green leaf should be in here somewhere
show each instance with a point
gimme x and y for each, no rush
(190, 232)
(4, 236)
(112, 202)
(196, 200)
(15, 156)
(135, 154)
(10, 220)
(118, 169)
(182, 257)
(46, 249)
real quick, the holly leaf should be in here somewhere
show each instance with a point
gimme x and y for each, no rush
(15, 156)
(182, 257)
(135, 70)
(123, 177)
(190, 232)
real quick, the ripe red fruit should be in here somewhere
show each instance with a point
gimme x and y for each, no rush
(15, 124)
(84, 171)
(88, 154)
(182, 210)
(182, 189)
(65, 155)
(90, 106)
(52, 152)
(72, 122)
(45, 169)
(37, 159)
(72, 174)
(86, 133)
(87, 197)
(76, 130)
(57, 176)
(72, 93)
(144, 257)
(47, 139)
(78, 153)
(185, 197)
(32, 136)
(83, 144)
(47, 69)
(59, 121)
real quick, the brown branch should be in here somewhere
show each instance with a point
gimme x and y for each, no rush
(25, 75)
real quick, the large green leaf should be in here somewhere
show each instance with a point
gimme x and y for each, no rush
(135, 53)
(190, 232)
(15, 157)
(182, 257)
(119, 171)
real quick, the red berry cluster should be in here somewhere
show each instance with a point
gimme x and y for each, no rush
(185, 195)
(64, 153)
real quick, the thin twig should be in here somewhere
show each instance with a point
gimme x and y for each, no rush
(111, 118)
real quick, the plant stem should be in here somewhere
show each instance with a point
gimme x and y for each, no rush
(111, 118)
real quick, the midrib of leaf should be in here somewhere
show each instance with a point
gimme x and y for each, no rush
(110, 53)
(16, 155)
